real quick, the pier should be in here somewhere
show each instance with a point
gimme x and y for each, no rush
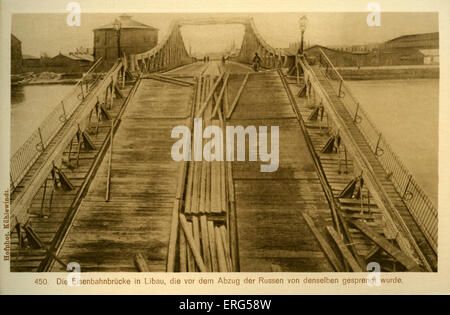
(96, 183)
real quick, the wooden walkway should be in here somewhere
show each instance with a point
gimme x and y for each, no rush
(106, 236)
(48, 212)
(273, 235)
(283, 219)
(319, 134)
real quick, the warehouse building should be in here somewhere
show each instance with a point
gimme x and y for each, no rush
(16, 55)
(132, 37)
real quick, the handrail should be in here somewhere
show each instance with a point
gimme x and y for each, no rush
(166, 53)
(393, 219)
(160, 45)
(25, 156)
(23, 198)
(417, 201)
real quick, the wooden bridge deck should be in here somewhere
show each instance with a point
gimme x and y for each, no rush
(105, 236)
(46, 216)
(339, 181)
(272, 232)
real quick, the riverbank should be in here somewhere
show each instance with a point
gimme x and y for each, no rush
(390, 72)
(45, 78)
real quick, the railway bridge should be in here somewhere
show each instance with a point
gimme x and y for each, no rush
(96, 185)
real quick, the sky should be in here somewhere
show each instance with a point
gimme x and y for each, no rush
(49, 33)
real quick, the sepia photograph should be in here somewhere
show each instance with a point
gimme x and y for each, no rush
(263, 143)
(106, 173)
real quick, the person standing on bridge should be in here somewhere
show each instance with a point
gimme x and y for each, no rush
(256, 62)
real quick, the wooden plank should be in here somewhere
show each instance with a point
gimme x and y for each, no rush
(232, 221)
(192, 244)
(211, 93)
(167, 80)
(196, 231)
(182, 180)
(205, 241)
(220, 250)
(190, 254)
(226, 246)
(396, 253)
(141, 263)
(216, 203)
(212, 245)
(238, 96)
(172, 79)
(173, 236)
(202, 205)
(344, 250)
(190, 180)
(183, 252)
(208, 187)
(372, 252)
(220, 97)
(196, 187)
(337, 265)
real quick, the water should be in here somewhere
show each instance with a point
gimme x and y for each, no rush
(30, 105)
(407, 113)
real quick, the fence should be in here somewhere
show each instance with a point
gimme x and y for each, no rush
(419, 204)
(23, 159)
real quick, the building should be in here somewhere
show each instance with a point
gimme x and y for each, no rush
(415, 49)
(69, 63)
(339, 58)
(430, 56)
(16, 55)
(135, 38)
(417, 41)
(31, 63)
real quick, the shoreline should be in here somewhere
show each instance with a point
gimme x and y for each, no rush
(390, 72)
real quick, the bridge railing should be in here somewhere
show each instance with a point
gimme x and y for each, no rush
(23, 159)
(417, 201)
(169, 53)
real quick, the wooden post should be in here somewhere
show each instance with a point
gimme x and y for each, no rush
(43, 197)
(80, 138)
(108, 181)
(51, 201)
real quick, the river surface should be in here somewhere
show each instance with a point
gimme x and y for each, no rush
(30, 104)
(406, 111)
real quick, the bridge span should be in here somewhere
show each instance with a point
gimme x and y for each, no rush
(102, 190)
